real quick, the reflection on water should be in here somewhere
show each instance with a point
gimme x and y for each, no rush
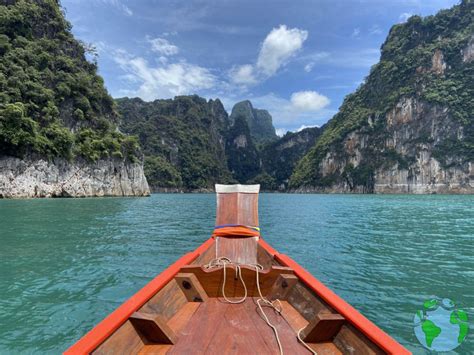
(67, 263)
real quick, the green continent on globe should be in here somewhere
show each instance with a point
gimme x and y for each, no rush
(429, 304)
(431, 331)
(460, 317)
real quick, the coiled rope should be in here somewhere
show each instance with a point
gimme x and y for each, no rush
(261, 301)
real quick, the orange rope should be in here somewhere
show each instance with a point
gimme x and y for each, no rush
(235, 231)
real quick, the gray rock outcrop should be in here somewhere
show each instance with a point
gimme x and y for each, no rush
(30, 177)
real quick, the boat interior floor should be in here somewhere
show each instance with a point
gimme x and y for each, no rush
(190, 316)
(196, 311)
(218, 327)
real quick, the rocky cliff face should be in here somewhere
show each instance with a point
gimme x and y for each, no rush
(58, 124)
(259, 121)
(183, 140)
(243, 158)
(279, 158)
(409, 128)
(36, 177)
(413, 129)
(191, 143)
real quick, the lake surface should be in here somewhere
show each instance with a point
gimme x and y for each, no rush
(67, 263)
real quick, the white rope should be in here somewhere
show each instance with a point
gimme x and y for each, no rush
(223, 262)
(302, 342)
(269, 304)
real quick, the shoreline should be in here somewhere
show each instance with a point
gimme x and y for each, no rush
(165, 190)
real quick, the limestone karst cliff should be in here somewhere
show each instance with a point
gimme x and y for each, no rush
(39, 177)
(409, 128)
(259, 121)
(58, 124)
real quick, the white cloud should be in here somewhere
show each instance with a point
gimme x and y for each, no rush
(118, 4)
(163, 80)
(356, 32)
(375, 30)
(309, 101)
(308, 67)
(312, 59)
(162, 46)
(243, 75)
(404, 17)
(280, 132)
(279, 46)
(304, 127)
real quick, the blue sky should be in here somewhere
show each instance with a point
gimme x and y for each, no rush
(297, 59)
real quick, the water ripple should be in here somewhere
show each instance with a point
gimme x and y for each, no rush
(66, 264)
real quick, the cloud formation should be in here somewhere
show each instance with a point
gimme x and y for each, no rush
(118, 5)
(163, 80)
(281, 44)
(309, 101)
(163, 46)
(243, 75)
(405, 16)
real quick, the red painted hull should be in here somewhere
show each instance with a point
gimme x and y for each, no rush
(111, 323)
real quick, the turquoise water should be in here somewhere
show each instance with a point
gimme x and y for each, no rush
(67, 263)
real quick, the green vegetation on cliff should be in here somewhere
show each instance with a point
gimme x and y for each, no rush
(280, 157)
(182, 139)
(259, 121)
(190, 143)
(242, 155)
(425, 59)
(52, 102)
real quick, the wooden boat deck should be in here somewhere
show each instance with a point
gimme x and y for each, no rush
(217, 327)
(195, 319)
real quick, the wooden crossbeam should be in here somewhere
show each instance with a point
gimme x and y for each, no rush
(191, 287)
(324, 327)
(153, 328)
(282, 286)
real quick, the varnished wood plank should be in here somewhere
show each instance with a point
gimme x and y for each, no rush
(237, 334)
(211, 279)
(350, 341)
(182, 317)
(324, 327)
(287, 335)
(327, 348)
(264, 258)
(282, 286)
(247, 205)
(191, 287)
(237, 208)
(293, 317)
(166, 302)
(207, 256)
(306, 302)
(226, 212)
(124, 340)
(155, 349)
(153, 328)
(195, 337)
(238, 250)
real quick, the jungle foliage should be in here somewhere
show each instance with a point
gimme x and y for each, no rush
(52, 101)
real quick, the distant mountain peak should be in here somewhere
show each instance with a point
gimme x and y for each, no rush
(260, 122)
